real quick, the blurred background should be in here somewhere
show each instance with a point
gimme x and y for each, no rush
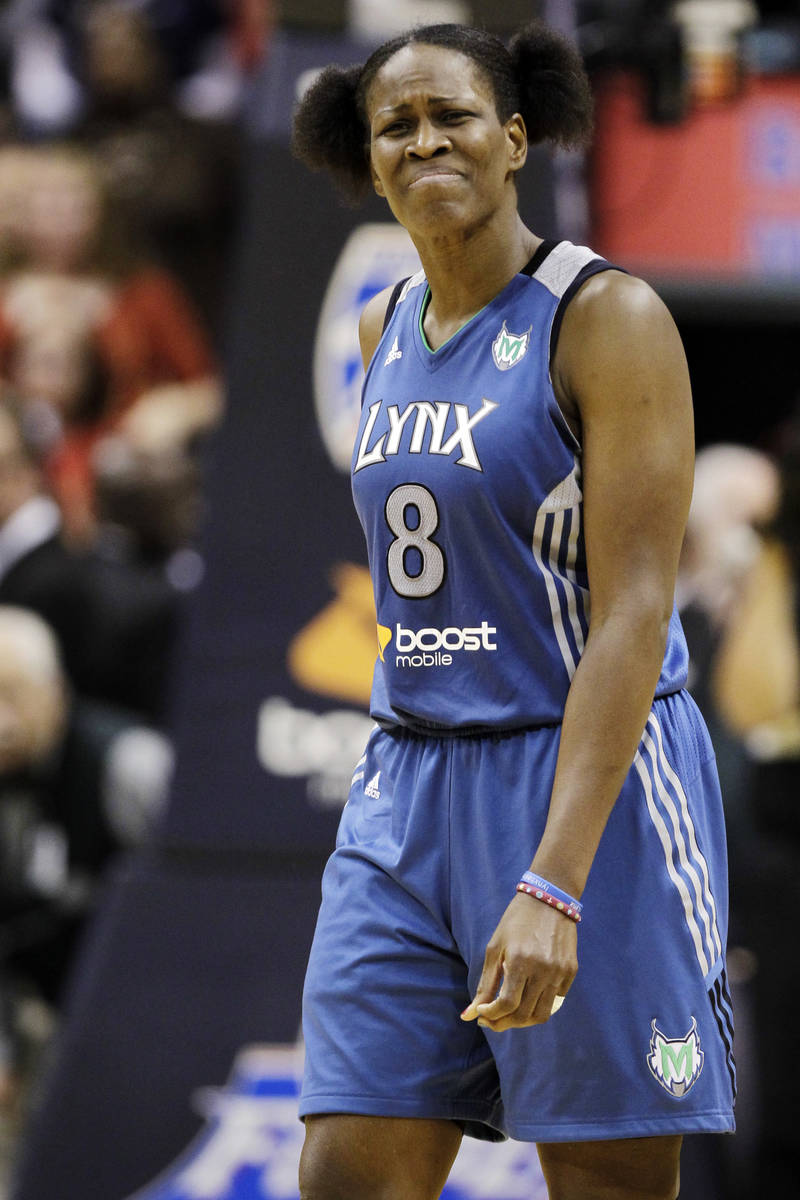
(186, 620)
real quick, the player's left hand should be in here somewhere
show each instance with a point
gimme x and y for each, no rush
(530, 960)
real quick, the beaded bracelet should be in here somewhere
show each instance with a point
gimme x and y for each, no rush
(537, 881)
(548, 893)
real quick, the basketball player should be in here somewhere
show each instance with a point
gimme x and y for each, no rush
(540, 792)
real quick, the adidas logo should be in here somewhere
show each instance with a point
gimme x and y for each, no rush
(394, 353)
(371, 788)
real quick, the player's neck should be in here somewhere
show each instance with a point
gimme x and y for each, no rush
(466, 271)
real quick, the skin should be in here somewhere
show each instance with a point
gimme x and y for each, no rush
(446, 166)
(757, 674)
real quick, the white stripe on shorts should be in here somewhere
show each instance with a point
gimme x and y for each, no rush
(698, 903)
(710, 920)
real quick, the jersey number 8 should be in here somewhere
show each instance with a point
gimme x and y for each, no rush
(419, 537)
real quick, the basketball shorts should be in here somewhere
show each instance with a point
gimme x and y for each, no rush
(434, 837)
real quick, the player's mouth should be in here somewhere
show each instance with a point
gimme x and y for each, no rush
(434, 175)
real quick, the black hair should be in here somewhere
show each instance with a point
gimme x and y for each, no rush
(539, 75)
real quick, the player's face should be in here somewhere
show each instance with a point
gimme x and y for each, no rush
(438, 151)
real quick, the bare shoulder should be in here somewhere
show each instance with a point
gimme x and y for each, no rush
(370, 325)
(617, 328)
(613, 298)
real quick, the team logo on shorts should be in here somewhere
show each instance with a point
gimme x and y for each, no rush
(675, 1063)
(509, 348)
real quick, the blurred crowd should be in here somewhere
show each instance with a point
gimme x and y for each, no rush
(118, 182)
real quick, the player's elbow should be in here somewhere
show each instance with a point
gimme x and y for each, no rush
(641, 617)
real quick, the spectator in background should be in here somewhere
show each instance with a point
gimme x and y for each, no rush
(33, 849)
(78, 782)
(45, 38)
(60, 384)
(154, 88)
(758, 674)
(171, 170)
(37, 570)
(14, 164)
(735, 496)
(75, 274)
(116, 606)
(756, 683)
(142, 563)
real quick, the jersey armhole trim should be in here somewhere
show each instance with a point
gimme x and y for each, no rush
(592, 268)
(392, 305)
(540, 254)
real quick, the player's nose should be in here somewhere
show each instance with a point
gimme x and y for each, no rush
(428, 139)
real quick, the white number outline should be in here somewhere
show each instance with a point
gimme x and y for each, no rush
(435, 561)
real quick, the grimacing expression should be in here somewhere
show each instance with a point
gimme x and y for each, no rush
(438, 150)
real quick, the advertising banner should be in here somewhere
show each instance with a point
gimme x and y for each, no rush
(249, 1148)
(716, 196)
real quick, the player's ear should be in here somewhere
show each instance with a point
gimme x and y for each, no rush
(517, 141)
(376, 183)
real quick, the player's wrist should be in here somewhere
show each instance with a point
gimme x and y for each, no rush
(539, 888)
(568, 871)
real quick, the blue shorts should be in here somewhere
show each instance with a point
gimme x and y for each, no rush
(434, 837)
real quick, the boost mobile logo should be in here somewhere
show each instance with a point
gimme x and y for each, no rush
(434, 647)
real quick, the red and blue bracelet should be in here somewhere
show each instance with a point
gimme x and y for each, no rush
(534, 885)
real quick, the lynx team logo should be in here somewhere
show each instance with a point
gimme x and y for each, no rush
(675, 1062)
(509, 348)
(374, 256)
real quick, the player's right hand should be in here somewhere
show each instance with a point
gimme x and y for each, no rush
(531, 959)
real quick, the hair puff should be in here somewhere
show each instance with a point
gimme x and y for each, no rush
(555, 96)
(329, 133)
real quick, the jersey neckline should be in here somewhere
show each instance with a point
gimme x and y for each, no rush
(423, 308)
(432, 359)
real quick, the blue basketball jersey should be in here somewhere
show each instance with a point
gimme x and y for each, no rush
(467, 482)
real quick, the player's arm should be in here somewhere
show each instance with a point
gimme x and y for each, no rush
(625, 367)
(620, 368)
(370, 325)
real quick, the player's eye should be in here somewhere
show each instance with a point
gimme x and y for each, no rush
(394, 127)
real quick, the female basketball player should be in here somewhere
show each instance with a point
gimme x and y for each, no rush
(539, 792)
